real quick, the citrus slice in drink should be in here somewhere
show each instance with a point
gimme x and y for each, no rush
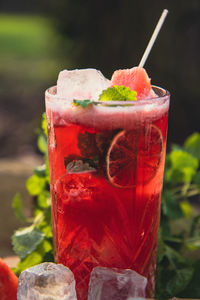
(134, 156)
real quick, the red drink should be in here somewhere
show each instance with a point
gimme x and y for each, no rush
(106, 167)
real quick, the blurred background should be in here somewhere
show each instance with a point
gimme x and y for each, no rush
(40, 38)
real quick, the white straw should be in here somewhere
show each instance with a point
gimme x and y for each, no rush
(153, 37)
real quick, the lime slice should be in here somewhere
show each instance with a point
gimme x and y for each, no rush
(134, 157)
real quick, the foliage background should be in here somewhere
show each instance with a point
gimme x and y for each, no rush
(40, 38)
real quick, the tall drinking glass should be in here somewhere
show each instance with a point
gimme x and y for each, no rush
(106, 171)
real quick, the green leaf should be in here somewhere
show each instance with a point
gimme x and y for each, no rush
(183, 167)
(193, 243)
(186, 208)
(17, 206)
(82, 103)
(44, 124)
(47, 167)
(171, 206)
(192, 145)
(42, 143)
(161, 250)
(35, 185)
(118, 93)
(43, 253)
(81, 166)
(45, 223)
(164, 225)
(34, 258)
(195, 227)
(179, 281)
(192, 290)
(163, 274)
(25, 240)
(174, 257)
(40, 171)
(197, 180)
(46, 229)
(176, 147)
(44, 199)
(44, 247)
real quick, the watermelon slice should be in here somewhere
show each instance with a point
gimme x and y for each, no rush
(136, 79)
(8, 282)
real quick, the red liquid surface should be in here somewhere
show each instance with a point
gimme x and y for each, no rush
(110, 216)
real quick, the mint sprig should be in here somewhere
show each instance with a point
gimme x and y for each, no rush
(26, 240)
(82, 103)
(118, 93)
(115, 93)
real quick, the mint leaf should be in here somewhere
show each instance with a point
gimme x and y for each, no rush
(44, 199)
(195, 227)
(193, 288)
(43, 220)
(81, 166)
(17, 206)
(192, 145)
(197, 180)
(171, 206)
(183, 167)
(186, 209)
(193, 243)
(43, 252)
(82, 103)
(177, 283)
(86, 142)
(34, 258)
(35, 185)
(40, 171)
(25, 240)
(42, 143)
(44, 124)
(118, 93)
(161, 251)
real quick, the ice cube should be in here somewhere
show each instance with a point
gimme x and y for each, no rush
(106, 284)
(81, 84)
(47, 281)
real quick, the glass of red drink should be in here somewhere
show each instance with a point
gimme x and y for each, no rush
(106, 171)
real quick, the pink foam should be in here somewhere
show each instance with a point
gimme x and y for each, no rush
(101, 116)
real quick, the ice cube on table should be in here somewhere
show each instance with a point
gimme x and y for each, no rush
(106, 284)
(47, 281)
(81, 84)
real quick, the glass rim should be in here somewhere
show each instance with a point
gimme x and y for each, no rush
(165, 95)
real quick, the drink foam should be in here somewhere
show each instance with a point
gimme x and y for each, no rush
(104, 117)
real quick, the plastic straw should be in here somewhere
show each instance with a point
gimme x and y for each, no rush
(153, 37)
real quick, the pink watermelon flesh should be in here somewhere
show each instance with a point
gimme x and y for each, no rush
(136, 79)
